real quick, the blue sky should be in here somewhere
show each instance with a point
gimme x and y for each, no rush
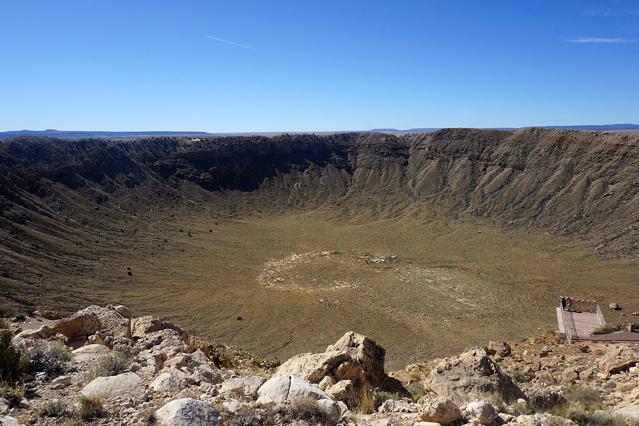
(316, 65)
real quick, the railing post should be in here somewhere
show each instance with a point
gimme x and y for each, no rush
(567, 330)
(600, 317)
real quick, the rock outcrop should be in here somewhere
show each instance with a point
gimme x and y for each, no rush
(348, 370)
(438, 410)
(542, 419)
(142, 326)
(160, 375)
(620, 358)
(188, 412)
(126, 385)
(287, 389)
(470, 376)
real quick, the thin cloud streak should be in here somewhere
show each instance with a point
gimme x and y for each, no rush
(229, 42)
(600, 40)
(611, 12)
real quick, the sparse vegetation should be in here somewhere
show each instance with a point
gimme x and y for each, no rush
(416, 390)
(12, 363)
(12, 393)
(309, 410)
(586, 396)
(383, 396)
(49, 357)
(54, 409)
(497, 400)
(6, 310)
(608, 328)
(148, 416)
(520, 376)
(110, 365)
(90, 408)
(366, 402)
(306, 409)
(587, 417)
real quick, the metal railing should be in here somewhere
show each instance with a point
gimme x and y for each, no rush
(600, 317)
(567, 330)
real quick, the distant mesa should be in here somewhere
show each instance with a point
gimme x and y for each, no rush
(92, 134)
(596, 127)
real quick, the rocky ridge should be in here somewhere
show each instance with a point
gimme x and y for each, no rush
(106, 366)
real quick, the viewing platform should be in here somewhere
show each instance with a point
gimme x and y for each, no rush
(578, 325)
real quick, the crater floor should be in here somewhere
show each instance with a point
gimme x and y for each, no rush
(284, 284)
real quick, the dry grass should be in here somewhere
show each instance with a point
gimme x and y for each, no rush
(49, 357)
(606, 329)
(308, 410)
(586, 396)
(6, 310)
(110, 365)
(12, 363)
(54, 409)
(148, 416)
(14, 393)
(90, 408)
(383, 396)
(521, 377)
(587, 417)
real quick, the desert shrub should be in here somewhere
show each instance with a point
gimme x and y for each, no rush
(585, 396)
(522, 377)
(54, 409)
(497, 400)
(50, 357)
(12, 363)
(309, 410)
(110, 365)
(306, 410)
(126, 351)
(255, 416)
(6, 310)
(90, 408)
(586, 417)
(383, 396)
(524, 407)
(148, 416)
(416, 390)
(12, 393)
(73, 422)
(365, 403)
(608, 328)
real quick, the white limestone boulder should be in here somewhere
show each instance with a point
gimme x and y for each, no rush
(126, 385)
(188, 412)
